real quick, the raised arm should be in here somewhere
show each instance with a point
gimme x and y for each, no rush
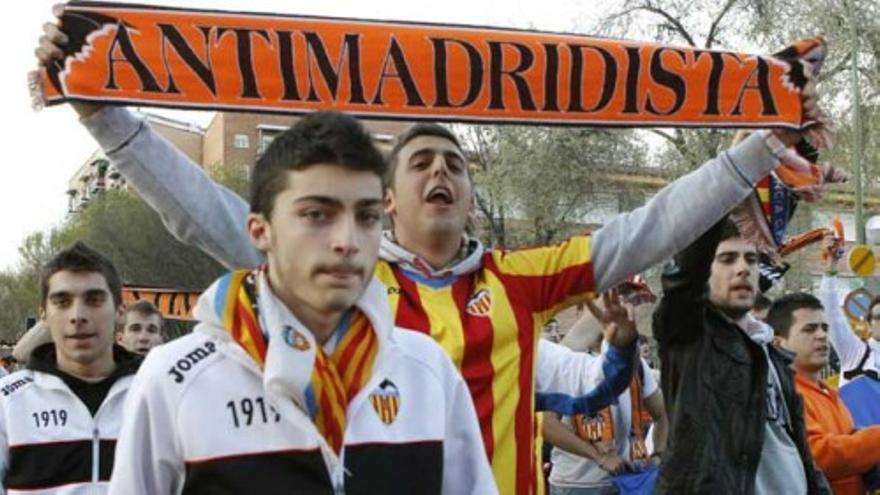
(848, 346)
(193, 207)
(678, 318)
(679, 213)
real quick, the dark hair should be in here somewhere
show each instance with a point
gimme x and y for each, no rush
(143, 308)
(80, 258)
(322, 137)
(417, 130)
(729, 230)
(762, 302)
(781, 314)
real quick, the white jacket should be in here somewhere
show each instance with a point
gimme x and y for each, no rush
(49, 440)
(202, 417)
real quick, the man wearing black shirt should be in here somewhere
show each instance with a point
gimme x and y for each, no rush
(59, 417)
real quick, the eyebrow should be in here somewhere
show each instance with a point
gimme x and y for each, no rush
(328, 201)
(89, 292)
(432, 151)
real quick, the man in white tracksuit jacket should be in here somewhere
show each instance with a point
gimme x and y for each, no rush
(60, 416)
(235, 406)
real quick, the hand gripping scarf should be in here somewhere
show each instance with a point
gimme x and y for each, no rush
(335, 378)
(186, 58)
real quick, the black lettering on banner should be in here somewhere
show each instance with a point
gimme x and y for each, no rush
(332, 76)
(246, 57)
(202, 69)
(551, 78)
(713, 88)
(129, 56)
(577, 78)
(761, 85)
(50, 417)
(401, 72)
(441, 74)
(666, 78)
(245, 412)
(496, 72)
(632, 80)
(287, 64)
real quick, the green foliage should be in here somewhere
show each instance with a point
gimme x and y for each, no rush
(543, 179)
(125, 229)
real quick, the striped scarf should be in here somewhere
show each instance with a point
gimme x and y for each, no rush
(335, 379)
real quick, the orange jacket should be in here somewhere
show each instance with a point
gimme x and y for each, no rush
(840, 452)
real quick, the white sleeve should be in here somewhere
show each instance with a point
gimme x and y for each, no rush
(848, 346)
(147, 458)
(466, 468)
(560, 370)
(194, 208)
(677, 215)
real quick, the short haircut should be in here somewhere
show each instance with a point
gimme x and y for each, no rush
(417, 130)
(762, 302)
(319, 138)
(80, 258)
(781, 314)
(729, 230)
(143, 308)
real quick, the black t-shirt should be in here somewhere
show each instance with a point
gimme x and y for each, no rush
(92, 394)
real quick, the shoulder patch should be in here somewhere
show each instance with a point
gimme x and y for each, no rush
(189, 360)
(16, 384)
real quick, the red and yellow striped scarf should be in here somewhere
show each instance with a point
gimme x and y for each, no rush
(335, 379)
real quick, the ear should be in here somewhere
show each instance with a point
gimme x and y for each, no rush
(390, 203)
(260, 231)
(779, 341)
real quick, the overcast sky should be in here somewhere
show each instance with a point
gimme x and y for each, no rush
(43, 149)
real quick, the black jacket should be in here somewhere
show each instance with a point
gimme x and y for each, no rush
(714, 380)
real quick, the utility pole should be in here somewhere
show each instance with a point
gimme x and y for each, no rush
(858, 145)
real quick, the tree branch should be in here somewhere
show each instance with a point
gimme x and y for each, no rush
(713, 29)
(676, 25)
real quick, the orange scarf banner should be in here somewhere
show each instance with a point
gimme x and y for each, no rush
(173, 304)
(185, 58)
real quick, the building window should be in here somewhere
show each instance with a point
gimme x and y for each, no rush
(240, 141)
(265, 141)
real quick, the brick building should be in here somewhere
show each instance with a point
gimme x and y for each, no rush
(230, 139)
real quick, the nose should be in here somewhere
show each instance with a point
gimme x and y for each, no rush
(439, 166)
(743, 267)
(78, 312)
(345, 237)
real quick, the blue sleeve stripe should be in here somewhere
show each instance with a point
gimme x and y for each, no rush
(617, 367)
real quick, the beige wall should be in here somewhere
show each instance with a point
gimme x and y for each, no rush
(189, 142)
(212, 143)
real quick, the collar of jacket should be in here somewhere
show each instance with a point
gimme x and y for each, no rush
(467, 261)
(44, 359)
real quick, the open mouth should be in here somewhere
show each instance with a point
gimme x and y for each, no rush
(439, 195)
(742, 288)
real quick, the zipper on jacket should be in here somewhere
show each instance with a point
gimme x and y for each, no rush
(96, 455)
